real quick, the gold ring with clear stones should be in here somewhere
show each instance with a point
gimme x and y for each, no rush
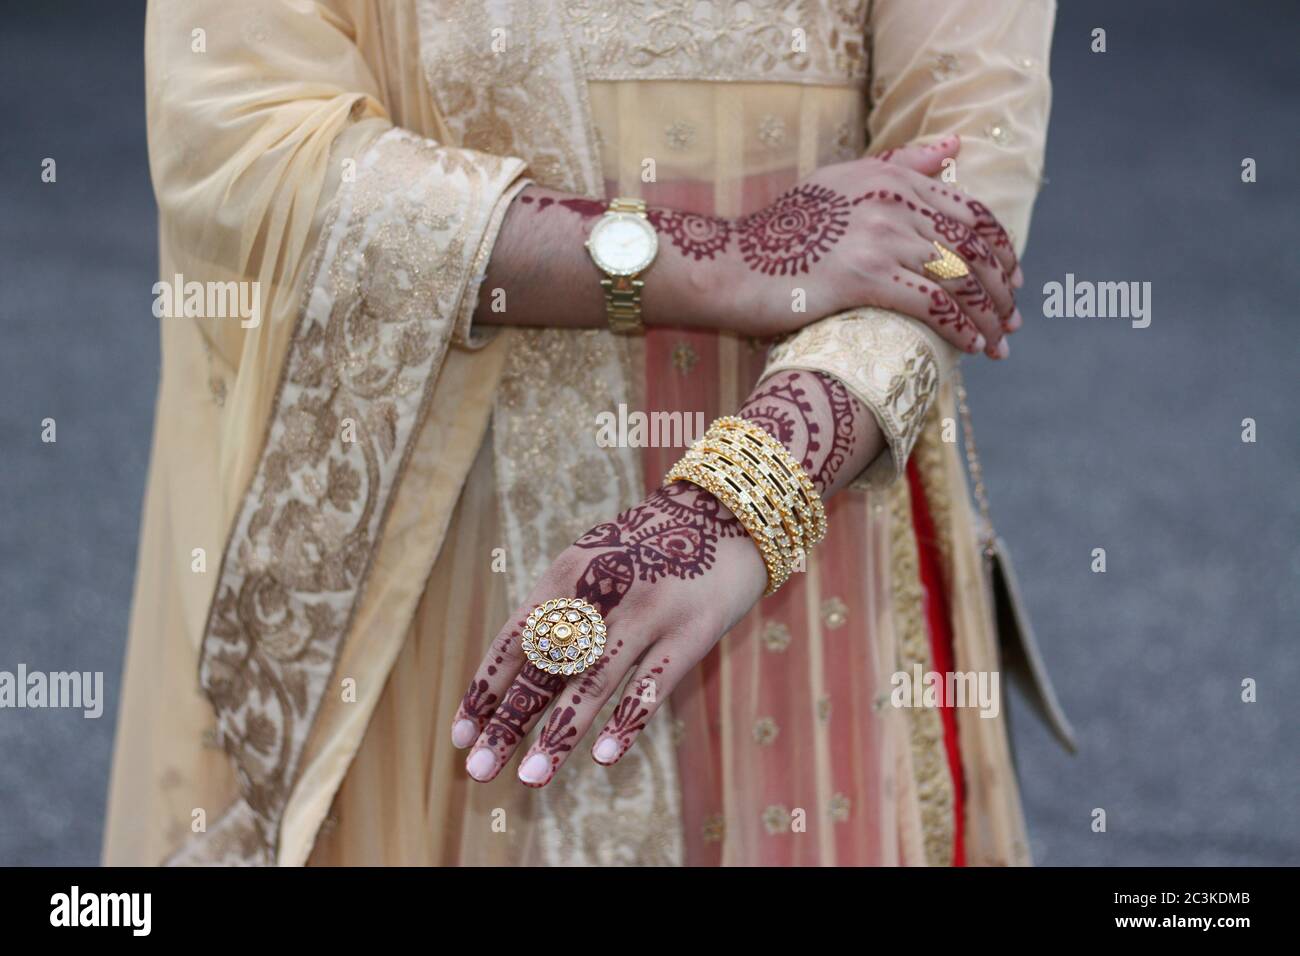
(564, 636)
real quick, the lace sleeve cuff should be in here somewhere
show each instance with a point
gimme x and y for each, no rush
(892, 364)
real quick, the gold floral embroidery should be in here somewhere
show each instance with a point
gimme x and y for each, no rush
(839, 808)
(776, 819)
(889, 362)
(944, 66)
(771, 131)
(544, 437)
(714, 828)
(999, 134)
(376, 319)
(929, 456)
(783, 41)
(489, 101)
(765, 731)
(775, 636)
(679, 135)
(925, 726)
(824, 708)
(834, 613)
(847, 144)
(684, 357)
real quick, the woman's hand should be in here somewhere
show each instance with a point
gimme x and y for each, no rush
(670, 576)
(860, 233)
(853, 234)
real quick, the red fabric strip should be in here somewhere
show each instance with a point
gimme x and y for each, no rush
(941, 649)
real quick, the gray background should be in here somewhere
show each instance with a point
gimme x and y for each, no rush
(1094, 434)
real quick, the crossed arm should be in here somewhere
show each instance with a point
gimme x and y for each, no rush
(853, 234)
(675, 572)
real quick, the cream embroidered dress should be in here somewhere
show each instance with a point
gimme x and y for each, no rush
(347, 500)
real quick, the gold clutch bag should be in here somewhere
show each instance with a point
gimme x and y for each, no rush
(1022, 662)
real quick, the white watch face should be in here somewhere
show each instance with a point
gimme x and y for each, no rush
(623, 244)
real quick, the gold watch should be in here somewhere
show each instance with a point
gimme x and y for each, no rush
(623, 245)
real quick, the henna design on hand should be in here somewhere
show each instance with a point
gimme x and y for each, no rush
(967, 244)
(593, 677)
(586, 208)
(478, 701)
(943, 309)
(987, 225)
(701, 237)
(628, 720)
(633, 712)
(817, 427)
(527, 697)
(606, 580)
(964, 242)
(559, 735)
(672, 533)
(795, 231)
(974, 297)
(882, 196)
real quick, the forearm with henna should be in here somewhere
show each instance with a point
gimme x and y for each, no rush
(675, 532)
(819, 422)
(546, 278)
(681, 532)
(678, 549)
(861, 233)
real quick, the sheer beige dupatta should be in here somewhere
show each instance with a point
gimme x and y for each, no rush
(303, 468)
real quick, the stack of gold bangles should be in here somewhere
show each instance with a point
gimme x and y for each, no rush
(751, 473)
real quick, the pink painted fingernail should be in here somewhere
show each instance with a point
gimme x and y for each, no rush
(606, 750)
(482, 764)
(535, 769)
(463, 733)
(979, 344)
(1001, 350)
(1018, 278)
(1015, 322)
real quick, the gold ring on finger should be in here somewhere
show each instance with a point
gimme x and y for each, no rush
(564, 636)
(949, 265)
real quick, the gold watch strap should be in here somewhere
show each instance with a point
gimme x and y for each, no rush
(623, 293)
(623, 304)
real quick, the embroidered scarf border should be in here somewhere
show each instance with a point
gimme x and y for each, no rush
(381, 302)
